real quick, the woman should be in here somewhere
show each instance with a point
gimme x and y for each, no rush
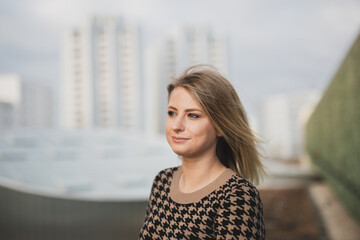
(210, 195)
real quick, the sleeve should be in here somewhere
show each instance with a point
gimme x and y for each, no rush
(151, 199)
(240, 215)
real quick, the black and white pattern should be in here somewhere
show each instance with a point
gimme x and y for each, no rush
(232, 211)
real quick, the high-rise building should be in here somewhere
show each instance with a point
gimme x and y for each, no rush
(181, 48)
(24, 104)
(282, 121)
(10, 98)
(101, 75)
(36, 106)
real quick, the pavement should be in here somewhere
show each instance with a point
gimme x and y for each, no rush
(337, 221)
(298, 204)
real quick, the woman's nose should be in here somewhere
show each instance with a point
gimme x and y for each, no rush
(178, 124)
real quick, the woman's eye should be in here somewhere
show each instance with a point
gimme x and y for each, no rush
(191, 115)
(171, 113)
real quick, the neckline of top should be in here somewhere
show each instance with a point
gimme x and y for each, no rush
(192, 197)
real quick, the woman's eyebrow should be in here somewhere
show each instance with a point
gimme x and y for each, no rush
(192, 110)
(171, 107)
(186, 110)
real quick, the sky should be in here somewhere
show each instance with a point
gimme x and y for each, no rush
(275, 46)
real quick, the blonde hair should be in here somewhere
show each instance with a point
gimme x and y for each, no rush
(236, 148)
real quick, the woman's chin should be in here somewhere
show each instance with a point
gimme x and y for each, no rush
(178, 152)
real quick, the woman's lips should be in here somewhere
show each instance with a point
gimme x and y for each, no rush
(179, 139)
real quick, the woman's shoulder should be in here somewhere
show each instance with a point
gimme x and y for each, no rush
(240, 187)
(241, 209)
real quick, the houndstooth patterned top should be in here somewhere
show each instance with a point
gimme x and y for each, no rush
(228, 208)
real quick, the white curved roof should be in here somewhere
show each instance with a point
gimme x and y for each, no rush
(93, 165)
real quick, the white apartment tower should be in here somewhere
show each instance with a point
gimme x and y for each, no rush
(10, 100)
(101, 76)
(181, 48)
(24, 104)
(283, 120)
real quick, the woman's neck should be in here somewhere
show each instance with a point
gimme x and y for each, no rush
(198, 173)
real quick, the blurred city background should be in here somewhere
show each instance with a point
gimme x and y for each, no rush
(83, 105)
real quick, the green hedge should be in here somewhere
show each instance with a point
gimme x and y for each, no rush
(333, 132)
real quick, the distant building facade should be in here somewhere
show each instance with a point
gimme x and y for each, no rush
(100, 84)
(37, 106)
(24, 104)
(10, 97)
(282, 121)
(181, 48)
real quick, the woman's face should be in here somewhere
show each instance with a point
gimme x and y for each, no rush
(188, 129)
